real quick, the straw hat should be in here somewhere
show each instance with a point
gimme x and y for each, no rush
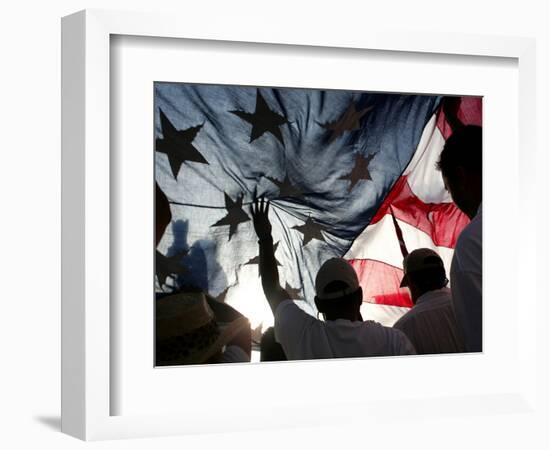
(187, 331)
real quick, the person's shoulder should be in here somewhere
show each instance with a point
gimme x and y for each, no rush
(468, 245)
(395, 339)
(471, 233)
(399, 334)
(468, 251)
(284, 304)
(398, 339)
(445, 295)
(371, 324)
(289, 310)
(405, 319)
(467, 236)
(377, 327)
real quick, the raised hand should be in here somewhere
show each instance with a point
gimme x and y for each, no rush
(268, 264)
(260, 218)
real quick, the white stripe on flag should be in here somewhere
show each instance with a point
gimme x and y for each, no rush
(379, 242)
(424, 179)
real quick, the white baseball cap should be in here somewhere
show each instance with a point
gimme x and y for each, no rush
(335, 269)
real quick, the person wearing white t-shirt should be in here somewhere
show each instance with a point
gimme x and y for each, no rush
(430, 324)
(461, 168)
(343, 333)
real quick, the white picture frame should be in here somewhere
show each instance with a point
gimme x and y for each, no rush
(87, 386)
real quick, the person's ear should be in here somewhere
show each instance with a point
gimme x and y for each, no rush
(360, 295)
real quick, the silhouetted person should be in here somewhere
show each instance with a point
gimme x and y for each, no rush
(461, 167)
(163, 216)
(339, 297)
(189, 331)
(270, 349)
(431, 324)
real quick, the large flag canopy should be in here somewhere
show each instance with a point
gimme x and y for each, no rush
(334, 165)
(420, 207)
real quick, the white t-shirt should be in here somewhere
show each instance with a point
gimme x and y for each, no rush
(304, 337)
(431, 324)
(466, 281)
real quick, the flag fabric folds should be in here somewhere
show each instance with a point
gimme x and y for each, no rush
(424, 213)
(331, 162)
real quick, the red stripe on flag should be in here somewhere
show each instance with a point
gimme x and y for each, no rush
(442, 221)
(380, 283)
(457, 111)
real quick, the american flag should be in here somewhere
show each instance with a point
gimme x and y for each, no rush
(335, 165)
(424, 213)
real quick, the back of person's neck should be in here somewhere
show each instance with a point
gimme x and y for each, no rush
(427, 294)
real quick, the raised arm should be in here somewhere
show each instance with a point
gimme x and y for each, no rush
(268, 265)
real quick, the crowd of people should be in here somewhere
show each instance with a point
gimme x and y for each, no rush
(442, 319)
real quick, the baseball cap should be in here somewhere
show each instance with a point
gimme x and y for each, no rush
(420, 259)
(335, 269)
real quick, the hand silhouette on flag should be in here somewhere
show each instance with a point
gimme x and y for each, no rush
(273, 291)
(260, 218)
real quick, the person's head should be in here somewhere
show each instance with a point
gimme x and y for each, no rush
(270, 349)
(460, 163)
(423, 272)
(338, 294)
(188, 332)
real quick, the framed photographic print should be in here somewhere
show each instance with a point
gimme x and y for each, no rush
(209, 176)
(347, 174)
